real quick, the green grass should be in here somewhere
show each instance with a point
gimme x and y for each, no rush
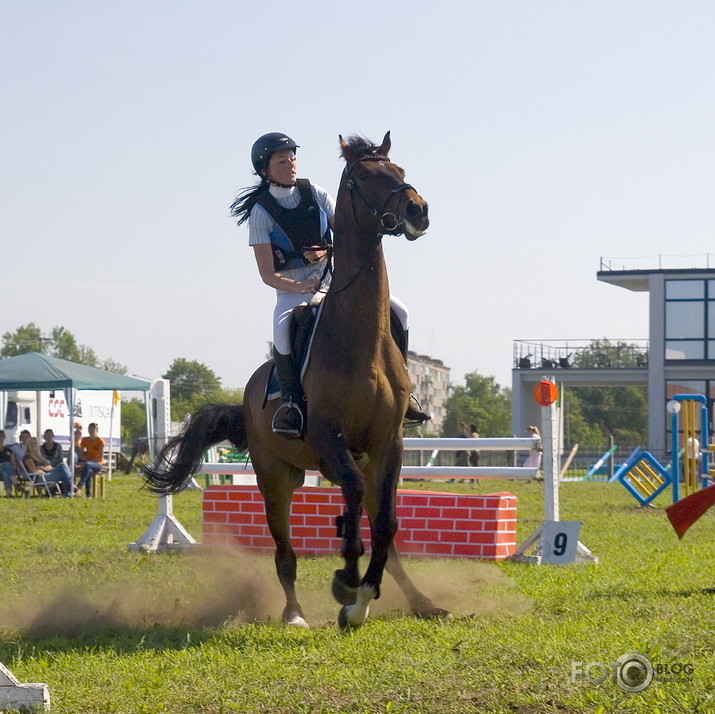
(113, 631)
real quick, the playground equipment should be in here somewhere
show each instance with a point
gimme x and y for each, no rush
(596, 468)
(683, 410)
(645, 478)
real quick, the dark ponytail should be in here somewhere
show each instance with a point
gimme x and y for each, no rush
(246, 200)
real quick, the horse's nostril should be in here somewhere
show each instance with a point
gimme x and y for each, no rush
(414, 210)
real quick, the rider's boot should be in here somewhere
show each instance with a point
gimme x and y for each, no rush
(288, 421)
(414, 414)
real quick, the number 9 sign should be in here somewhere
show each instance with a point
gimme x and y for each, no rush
(559, 540)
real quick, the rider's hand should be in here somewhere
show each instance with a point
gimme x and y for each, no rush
(314, 256)
(310, 285)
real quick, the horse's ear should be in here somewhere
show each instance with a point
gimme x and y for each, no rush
(385, 146)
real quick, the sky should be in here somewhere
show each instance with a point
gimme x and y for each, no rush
(544, 135)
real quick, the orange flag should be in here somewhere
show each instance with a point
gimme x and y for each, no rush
(682, 514)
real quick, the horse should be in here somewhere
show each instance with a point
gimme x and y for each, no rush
(357, 391)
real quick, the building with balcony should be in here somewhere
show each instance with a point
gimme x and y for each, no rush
(430, 382)
(677, 358)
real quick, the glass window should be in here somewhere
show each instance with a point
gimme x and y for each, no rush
(711, 350)
(683, 349)
(684, 386)
(684, 320)
(685, 289)
(711, 289)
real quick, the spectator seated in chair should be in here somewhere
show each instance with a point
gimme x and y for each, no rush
(92, 447)
(41, 471)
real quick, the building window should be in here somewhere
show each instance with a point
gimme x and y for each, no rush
(689, 319)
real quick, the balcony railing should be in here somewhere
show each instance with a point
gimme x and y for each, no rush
(581, 354)
(697, 261)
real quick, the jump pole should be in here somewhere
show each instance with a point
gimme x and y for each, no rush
(165, 531)
(553, 543)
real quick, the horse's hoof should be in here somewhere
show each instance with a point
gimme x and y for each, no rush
(343, 621)
(297, 621)
(434, 613)
(342, 592)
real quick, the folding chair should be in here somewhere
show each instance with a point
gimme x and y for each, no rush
(38, 481)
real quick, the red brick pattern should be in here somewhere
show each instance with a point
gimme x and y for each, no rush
(431, 524)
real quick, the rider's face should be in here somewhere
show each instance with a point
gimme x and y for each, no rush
(282, 167)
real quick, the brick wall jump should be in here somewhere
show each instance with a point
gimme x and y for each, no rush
(432, 524)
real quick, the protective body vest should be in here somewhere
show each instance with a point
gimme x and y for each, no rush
(296, 228)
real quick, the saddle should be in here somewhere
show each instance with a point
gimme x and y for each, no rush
(303, 321)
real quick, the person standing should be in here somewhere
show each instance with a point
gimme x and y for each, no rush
(92, 447)
(8, 467)
(533, 460)
(474, 454)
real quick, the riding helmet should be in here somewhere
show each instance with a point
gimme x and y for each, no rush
(268, 144)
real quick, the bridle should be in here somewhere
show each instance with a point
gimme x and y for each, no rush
(390, 223)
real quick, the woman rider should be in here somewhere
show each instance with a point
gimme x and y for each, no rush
(289, 222)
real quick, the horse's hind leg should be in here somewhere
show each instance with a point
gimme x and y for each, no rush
(277, 494)
(420, 604)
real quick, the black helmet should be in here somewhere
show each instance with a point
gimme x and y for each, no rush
(268, 144)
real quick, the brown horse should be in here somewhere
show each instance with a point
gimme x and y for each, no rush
(357, 392)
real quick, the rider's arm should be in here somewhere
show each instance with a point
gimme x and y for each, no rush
(264, 260)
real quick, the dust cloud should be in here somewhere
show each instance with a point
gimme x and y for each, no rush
(231, 587)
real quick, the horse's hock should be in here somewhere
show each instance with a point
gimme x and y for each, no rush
(432, 524)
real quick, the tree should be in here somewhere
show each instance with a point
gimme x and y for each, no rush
(27, 338)
(482, 402)
(194, 384)
(133, 420)
(593, 414)
(61, 343)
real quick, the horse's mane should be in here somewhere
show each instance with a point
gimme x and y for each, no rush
(357, 147)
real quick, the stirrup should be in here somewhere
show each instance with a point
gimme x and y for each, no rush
(288, 428)
(415, 415)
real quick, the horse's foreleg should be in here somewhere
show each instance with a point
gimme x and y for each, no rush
(339, 465)
(383, 521)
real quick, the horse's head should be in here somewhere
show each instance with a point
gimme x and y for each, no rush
(381, 200)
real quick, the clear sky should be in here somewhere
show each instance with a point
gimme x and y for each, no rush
(543, 134)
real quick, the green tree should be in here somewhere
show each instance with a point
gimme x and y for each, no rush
(594, 414)
(482, 402)
(133, 421)
(61, 343)
(193, 384)
(604, 353)
(27, 338)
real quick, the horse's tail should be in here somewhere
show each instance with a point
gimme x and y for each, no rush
(182, 455)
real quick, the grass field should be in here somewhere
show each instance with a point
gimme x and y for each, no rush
(114, 631)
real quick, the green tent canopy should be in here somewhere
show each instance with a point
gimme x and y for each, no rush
(33, 371)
